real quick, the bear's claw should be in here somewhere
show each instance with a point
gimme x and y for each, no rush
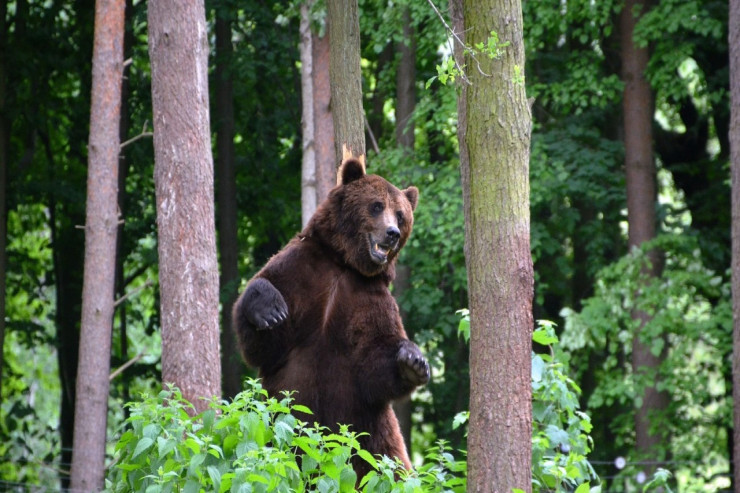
(412, 364)
(265, 306)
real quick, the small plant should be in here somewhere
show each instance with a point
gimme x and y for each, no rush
(256, 444)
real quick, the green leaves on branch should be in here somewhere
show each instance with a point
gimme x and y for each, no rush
(256, 444)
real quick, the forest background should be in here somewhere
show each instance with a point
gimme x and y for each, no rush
(584, 275)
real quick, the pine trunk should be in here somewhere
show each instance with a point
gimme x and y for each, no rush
(309, 200)
(183, 175)
(101, 227)
(231, 363)
(734, 44)
(346, 81)
(641, 195)
(3, 184)
(326, 157)
(496, 138)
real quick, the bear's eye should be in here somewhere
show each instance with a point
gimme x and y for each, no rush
(376, 208)
(401, 220)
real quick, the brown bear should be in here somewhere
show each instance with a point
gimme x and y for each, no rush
(319, 318)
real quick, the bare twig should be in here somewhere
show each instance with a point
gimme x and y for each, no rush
(136, 291)
(372, 136)
(465, 47)
(123, 367)
(143, 134)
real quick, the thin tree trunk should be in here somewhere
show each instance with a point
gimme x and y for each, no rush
(326, 157)
(3, 184)
(405, 105)
(101, 226)
(183, 175)
(346, 81)
(231, 366)
(734, 44)
(641, 195)
(500, 275)
(309, 186)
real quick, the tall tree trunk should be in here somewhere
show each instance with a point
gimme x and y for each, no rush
(183, 175)
(405, 105)
(309, 186)
(346, 81)
(326, 157)
(3, 183)
(128, 40)
(734, 43)
(641, 195)
(496, 136)
(231, 366)
(101, 225)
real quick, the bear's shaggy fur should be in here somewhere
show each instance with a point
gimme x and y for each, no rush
(319, 318)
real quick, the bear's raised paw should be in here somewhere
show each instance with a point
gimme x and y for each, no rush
(412, 364)
(265, 307)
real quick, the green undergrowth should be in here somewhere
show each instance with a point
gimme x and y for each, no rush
(255, 444)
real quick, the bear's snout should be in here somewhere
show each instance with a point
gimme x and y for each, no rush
(392, 235)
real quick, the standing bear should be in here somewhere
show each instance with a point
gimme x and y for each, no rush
(319, 318)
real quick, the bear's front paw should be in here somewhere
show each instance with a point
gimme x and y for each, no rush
(413, 365)
(265, 306)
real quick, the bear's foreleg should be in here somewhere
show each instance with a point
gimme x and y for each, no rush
(259, 308)
(390, 370)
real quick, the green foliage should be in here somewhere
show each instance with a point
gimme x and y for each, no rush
(689, 326)
(255, 444)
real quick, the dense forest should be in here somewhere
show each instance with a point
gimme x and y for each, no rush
(630, 217)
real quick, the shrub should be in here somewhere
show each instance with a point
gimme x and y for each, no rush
(255, 444)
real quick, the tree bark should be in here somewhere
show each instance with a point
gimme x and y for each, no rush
(309, 193)
(641, 196)
(183, 175)
(405, 105)
(496, 137)
(326, 157)
(101, 227)
(734, 44)
(231, 366)
(346, 82)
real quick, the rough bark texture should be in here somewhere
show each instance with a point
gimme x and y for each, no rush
(231, 366)
(405, 105)
(346, 82)
(734, 44)
(183, 174)
(637, 105)
(326, 157)
(101, 227)
(499, 263)
(309, 193)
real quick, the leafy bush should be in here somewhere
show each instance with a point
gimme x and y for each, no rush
(255, 444)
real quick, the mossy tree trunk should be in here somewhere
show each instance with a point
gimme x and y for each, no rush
(101, 228)
(346, 81)
(495, 134)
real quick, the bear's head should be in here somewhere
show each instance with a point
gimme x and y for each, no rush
(365, 220)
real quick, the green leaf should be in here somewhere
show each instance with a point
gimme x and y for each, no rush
(142, 446)
(583, 488)
(368, 457)
(302, 409)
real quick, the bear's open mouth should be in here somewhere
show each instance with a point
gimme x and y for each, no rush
(379, 251)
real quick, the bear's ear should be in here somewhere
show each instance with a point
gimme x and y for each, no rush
(352, 170)
(412, 193)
